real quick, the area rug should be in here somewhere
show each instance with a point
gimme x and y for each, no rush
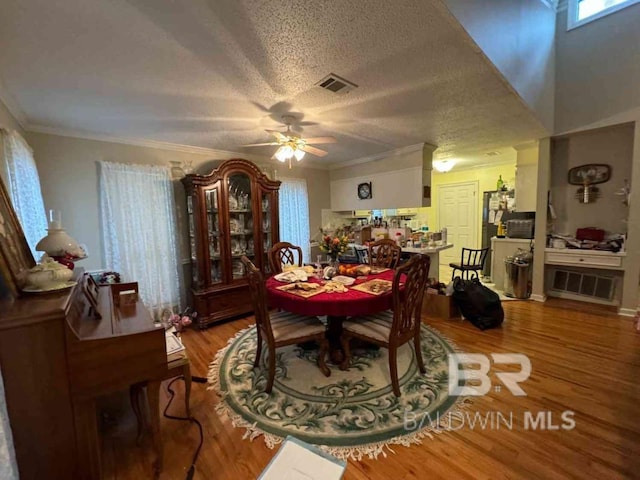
(349, 414)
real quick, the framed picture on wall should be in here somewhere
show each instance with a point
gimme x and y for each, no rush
(15, 255)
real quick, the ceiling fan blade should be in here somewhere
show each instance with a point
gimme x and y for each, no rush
(279, 135)
(320, 140)
(313, 151)
(260, 144)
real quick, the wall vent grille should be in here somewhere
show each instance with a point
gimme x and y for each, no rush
(336, 84)
(587, 284)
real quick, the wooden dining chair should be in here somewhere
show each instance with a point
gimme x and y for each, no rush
(281, 328)
(471, 260)
(392, 329)
(384, 253)
(284, 253)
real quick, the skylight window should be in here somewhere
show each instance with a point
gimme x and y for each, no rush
(585, 11)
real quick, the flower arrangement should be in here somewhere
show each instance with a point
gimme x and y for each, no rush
(181, 320)
(109, 277)
(334, 246)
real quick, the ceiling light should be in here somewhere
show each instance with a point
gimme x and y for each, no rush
(284, 153)
(443, 166)
(298, 154)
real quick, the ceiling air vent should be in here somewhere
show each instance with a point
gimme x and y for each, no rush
(335, 84)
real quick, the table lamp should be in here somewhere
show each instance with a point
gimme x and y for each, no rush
(58, 244)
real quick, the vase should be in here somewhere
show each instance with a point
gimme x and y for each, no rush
(333, 261)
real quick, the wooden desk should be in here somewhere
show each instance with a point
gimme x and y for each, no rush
(57, 359)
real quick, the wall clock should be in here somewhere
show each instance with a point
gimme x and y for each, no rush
(364, 191)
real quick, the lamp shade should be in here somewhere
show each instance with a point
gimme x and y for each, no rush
(58, 243)
(284, 153)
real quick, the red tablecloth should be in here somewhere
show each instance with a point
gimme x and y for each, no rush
(351, 303)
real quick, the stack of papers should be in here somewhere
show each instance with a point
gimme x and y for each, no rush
(175, 348)
(297, 460)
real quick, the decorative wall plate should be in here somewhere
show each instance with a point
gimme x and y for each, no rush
(589, 174)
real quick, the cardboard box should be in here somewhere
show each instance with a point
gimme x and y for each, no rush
(439, 306)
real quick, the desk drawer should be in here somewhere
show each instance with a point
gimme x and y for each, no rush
(585, 260)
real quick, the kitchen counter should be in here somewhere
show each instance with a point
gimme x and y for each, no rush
(434, 255)
(427, 250)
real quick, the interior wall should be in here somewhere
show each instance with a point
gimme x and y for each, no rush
(597, 69)
(486, 176)
(69, 176)
(396, 180)
(518, 38)
(612, 146)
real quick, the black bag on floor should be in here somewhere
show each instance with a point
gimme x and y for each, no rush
(478, 304)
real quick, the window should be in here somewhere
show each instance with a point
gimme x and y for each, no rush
(294, 214)
(585, 11)
(23, 184)
(139, 230)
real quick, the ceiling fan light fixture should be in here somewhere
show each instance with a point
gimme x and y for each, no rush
(443, 166)
(299, 154)
(284, 153)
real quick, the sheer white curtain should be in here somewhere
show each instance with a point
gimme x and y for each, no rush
(139, 230)
(24, 188)
(294, 214)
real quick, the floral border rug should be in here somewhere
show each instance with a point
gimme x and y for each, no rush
(349, 414)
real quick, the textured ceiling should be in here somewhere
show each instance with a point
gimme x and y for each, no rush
(213, 73)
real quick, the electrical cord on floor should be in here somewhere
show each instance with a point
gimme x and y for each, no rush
(192, 468)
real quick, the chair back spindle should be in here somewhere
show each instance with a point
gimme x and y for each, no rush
(284, 253)
(384, 253)
(407, 303)
(258, 297)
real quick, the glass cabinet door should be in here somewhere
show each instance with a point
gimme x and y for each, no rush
(265, 218)
(195, 277)
(213, 234)
(241, 218)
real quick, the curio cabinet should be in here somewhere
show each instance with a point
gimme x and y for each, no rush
(233, 211)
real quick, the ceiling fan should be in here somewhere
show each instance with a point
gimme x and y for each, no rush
(292, 145)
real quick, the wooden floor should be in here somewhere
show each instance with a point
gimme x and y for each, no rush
(585, 359)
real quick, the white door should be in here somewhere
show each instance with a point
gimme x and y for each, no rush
(458, 211)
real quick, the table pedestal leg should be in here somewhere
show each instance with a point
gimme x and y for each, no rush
(334, 331)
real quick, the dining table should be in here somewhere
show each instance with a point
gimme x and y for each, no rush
(336, 306)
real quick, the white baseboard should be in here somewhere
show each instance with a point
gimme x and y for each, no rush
(627, 312)
(538, 298)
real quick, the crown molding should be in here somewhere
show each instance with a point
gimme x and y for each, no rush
(526, 145)
(13, 106)
(379, 156)
(474, 166)
(138, 142)
(175, 147)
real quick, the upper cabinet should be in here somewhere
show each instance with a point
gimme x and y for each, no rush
(231, 212)
(526, 187)
(402, 188)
